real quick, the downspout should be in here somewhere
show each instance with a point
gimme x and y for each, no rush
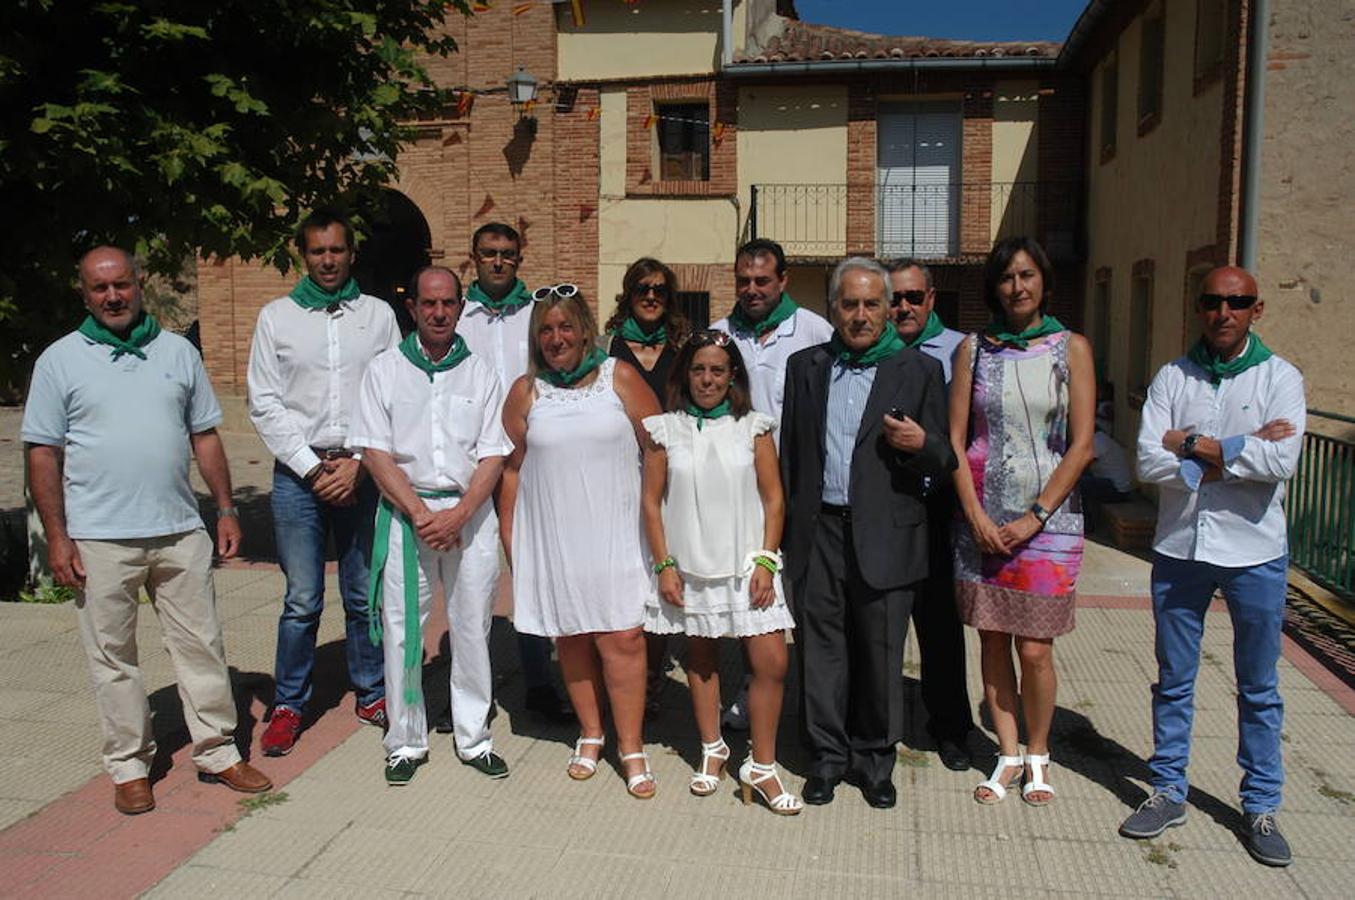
(726, 32)
(1258, 41)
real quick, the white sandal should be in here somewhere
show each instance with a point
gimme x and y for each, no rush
(996, 786)
(634, 781)
(705, 783)
(752, 775)
(1039, 766)
(578, 760)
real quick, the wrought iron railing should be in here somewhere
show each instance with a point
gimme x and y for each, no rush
(933, 221)
(1320, 509)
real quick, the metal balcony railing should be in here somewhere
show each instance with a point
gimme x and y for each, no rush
(957, 221)
(1320, 509)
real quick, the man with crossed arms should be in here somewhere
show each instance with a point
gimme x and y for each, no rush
(429, 425)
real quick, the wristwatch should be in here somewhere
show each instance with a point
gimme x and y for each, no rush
(1188, 445)
(228, 512)
(1040, 513)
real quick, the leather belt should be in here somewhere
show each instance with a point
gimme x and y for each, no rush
(332, 453)
(838, 512)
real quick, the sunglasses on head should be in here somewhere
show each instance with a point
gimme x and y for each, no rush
(712, 336)
(563, 291)
(658, 290)
(1211, 302)
(912, 298)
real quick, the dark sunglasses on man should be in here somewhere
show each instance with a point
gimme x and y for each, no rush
(912, 298)
(1212, 302)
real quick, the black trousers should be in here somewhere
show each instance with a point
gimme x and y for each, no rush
(940, 636)
(850, 638)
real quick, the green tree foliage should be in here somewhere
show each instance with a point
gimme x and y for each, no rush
(176, 127)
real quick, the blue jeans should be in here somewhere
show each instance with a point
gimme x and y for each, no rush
(1255, 596)
(301, 524)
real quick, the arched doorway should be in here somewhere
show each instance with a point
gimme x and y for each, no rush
(397, 244)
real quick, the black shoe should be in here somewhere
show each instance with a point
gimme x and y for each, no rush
(819, 790)
(954, 754)
(1264, 841)
(442, 722)
(547, 704)
(881, 794)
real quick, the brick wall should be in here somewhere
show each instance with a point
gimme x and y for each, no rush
(976, 167)
(644, 100)
(862, 113)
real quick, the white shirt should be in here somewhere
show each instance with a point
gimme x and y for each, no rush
(766, 360)
(436, 431)
(501, 341)
(1110, 462)
(1237, 521)
(305, 367)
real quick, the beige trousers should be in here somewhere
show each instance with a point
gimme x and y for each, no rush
(176, 571)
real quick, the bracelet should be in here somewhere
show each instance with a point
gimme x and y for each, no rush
(228, 512)
(766, 563)
(666, 563)
(767, 559)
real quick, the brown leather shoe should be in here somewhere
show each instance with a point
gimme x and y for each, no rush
(240, 777)
(133, 797)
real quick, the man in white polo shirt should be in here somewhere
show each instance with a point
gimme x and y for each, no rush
(306, 362)
(429, 424)
(112, 413)
(1220, 433)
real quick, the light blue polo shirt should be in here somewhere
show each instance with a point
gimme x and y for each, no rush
(124, 426)
(941, 347)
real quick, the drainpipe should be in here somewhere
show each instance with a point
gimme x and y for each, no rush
(1258, 41)
(726, 32)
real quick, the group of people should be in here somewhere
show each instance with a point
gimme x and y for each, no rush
(780, 472)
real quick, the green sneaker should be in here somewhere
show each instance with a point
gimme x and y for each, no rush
(488, 763)
(400, 770)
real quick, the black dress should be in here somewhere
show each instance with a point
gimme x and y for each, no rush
(657, 377)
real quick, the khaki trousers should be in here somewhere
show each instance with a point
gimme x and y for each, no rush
(176, 571)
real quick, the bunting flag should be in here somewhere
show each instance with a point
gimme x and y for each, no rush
(484, 207)
(593, 112)
(646, 176)
(718, 132)
(586, 212)
(465, 101)
(520, 8)
(649, 121)
(523, 227)
(453, 139)
(527, 107)
(480, 6)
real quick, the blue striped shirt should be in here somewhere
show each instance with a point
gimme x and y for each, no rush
(848, 390)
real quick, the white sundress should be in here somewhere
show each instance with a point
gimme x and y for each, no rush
(713, 520)
(578, 560)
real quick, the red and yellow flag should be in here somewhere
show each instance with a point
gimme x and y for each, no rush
(576, 12)
(718, 132)
(480, 6)
(520, 8)
(650, 120)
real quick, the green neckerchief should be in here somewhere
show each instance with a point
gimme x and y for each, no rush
(702, 416)
(517, 296)
(630, 330)
(783, 310)
(310, 295)
(930, 329)
(590, 361)
(409, 551)
(1253, 354)
(1048, 325)
(140, 334)
(885, 346)
(414, 353)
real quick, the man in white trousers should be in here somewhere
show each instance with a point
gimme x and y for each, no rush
(429, 426)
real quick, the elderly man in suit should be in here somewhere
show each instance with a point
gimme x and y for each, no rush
(864, 424)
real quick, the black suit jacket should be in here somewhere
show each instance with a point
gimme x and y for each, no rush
(889, 514)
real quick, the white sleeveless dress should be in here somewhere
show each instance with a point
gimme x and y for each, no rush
(578, 560)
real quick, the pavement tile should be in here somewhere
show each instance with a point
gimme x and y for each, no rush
(855, 887)
(758, 840)
(12, 811)
(591, 875)
(505, 870)
(255, 844)
(550, 825)
(321, 889)
(369, 857)
(1324, 879)
(978, 859)
(1232, 874)
(698, 880)
(196, 881)
(878, 850)
(1093, 866)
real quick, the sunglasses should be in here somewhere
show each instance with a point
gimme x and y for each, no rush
(1211, 302)
(912, 298)
(510, 257)
(563, 291)
(706, 338)
(658, 290)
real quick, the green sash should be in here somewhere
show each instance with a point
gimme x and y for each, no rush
(309, 295)
(409, 551)
(702, 416)
(885, 346)
(631, 331)
(930, 329)
(517, 296)
(414, 353)
(1253, 354)
(1048, 325)
(590, 361)
(140, 334)
(783, 310)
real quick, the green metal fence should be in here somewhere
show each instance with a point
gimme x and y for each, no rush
(1321, 509)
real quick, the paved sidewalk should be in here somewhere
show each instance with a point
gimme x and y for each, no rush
(334, 828)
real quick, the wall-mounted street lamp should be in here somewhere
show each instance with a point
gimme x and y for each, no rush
(521, 87)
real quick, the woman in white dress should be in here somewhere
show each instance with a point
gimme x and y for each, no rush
(713, 510)
(572, 521)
